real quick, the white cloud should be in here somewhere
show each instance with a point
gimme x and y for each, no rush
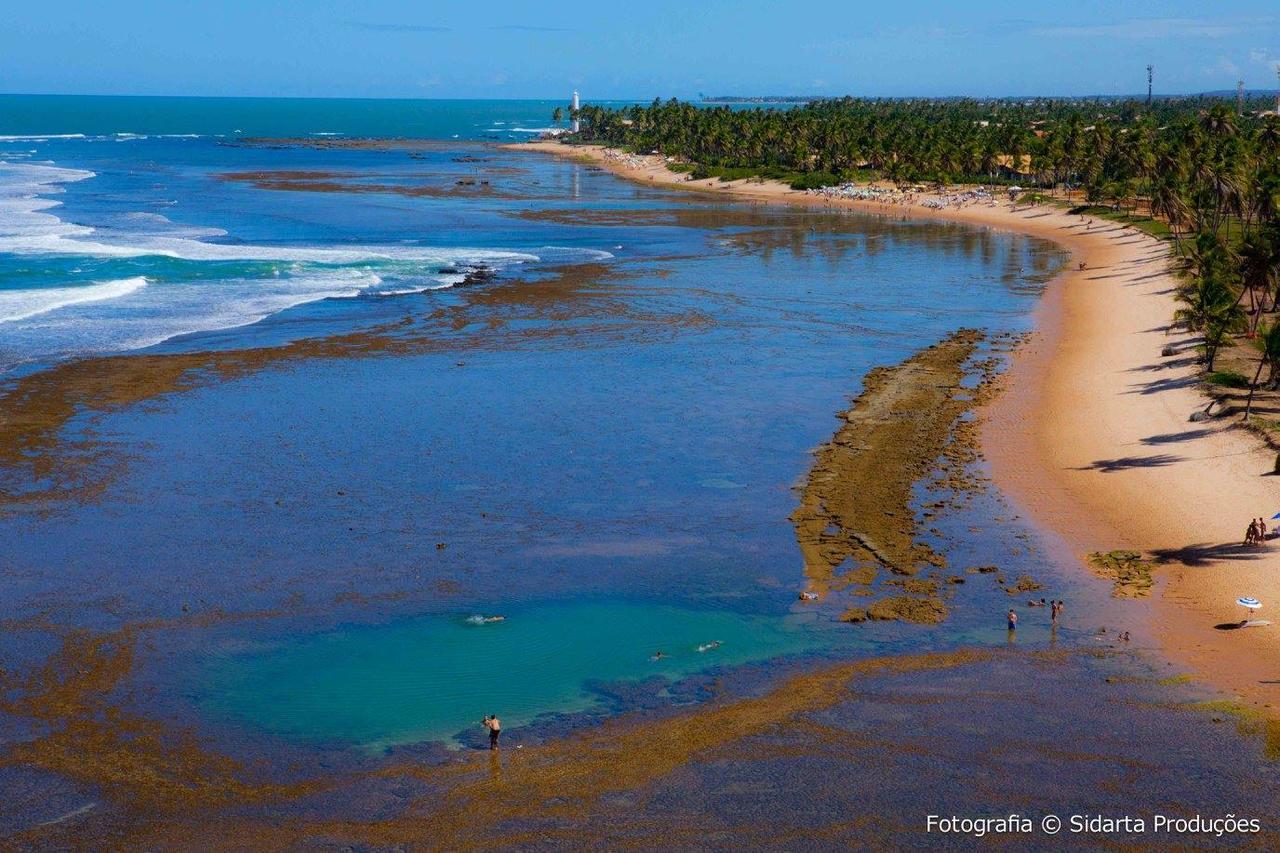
(1263, 57)
(1154, 28)
(1224, 68)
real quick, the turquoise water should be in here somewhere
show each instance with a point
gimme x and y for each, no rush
(430, 678)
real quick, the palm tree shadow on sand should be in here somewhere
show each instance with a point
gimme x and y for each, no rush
(1125, 463)
(1205, 553)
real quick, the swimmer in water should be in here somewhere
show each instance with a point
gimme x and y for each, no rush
(714, 644)
(658, 655)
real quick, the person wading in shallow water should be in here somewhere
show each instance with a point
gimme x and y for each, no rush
(494, 725)
(1013, 620)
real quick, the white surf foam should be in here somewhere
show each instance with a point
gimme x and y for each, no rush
(39, 137)
(145, 223)
(132, 313)
(145, 316)
(24, 304)
(27, 228)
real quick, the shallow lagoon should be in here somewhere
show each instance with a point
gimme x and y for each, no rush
(423, 679)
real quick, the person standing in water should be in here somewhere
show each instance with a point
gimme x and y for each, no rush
(494, 725)
(1013, 620)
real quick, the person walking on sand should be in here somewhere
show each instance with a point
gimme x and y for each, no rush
(1262, 531)
(1251, 534)
(494, 725)
(1013, 620)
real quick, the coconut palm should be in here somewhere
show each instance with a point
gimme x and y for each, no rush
(1258, 267)
(1212, 308)
(1268, 346)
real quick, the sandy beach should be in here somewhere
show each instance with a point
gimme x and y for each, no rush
(1093, 436)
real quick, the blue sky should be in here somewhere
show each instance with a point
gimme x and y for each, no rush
(392, 48)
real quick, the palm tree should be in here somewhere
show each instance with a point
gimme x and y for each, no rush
(1268, 346)
(1167, 201)
(1258, 261)
(1211, 308)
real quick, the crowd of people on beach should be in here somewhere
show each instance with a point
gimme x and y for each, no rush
(632, 161)
(914, 196)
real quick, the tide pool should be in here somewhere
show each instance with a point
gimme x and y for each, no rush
(430, 678)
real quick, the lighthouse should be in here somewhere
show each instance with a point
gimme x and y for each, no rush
(574, 126)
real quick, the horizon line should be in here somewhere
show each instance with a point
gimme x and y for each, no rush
(647, 99)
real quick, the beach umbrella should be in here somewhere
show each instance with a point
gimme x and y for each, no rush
(1248, 604)
(1274, 517)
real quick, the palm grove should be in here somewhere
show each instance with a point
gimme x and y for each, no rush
(1203, 170)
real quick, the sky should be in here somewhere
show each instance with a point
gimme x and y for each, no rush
(651, 48)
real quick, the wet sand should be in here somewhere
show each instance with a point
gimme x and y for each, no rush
(1093, 438)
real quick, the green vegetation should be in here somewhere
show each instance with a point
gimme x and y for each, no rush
(1227, 379)
(1151, 225)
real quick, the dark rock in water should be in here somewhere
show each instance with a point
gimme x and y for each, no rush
(479, 275)
(466, 182)
(449, 270)
(467, 158)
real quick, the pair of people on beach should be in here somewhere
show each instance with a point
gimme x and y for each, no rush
(1257, 532)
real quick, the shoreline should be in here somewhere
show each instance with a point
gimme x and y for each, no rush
(1092, 436)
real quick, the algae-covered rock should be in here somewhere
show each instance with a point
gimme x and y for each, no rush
(1129, 573)
(1025, 583)
(915, 586)
(922, 611)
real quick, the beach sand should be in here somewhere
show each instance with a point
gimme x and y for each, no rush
(1093, 437)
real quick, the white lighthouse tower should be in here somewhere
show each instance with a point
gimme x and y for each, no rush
(574, 126)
